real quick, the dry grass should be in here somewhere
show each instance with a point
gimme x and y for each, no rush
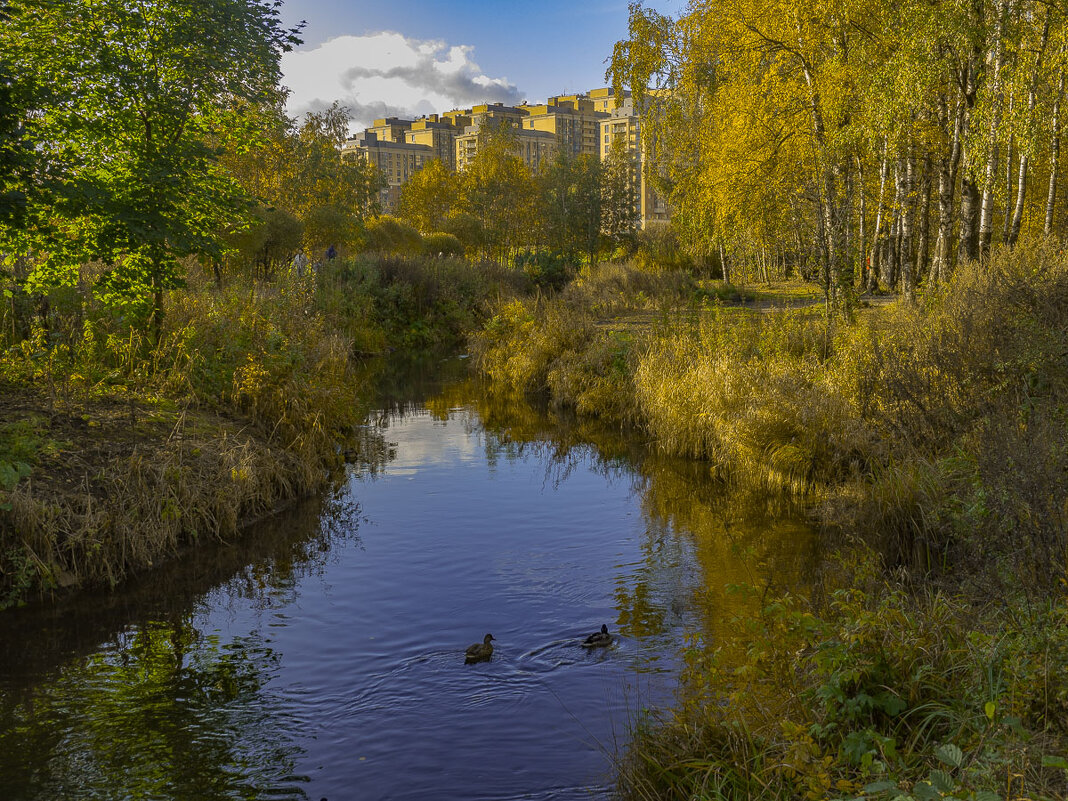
(247, 400)
(141, 509)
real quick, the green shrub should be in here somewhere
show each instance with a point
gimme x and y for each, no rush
(388, 235)
(880, 695)
(659, 248)
(546, 269)
(443, 245)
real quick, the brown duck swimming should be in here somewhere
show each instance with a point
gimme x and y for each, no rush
(480, 651)
(598, 638)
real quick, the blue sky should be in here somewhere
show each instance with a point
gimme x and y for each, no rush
(381, 58)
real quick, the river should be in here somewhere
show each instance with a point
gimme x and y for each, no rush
(322, 656)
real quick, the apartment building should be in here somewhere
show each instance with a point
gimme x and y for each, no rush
(604, 99)
(624, 125)
(390, 129)
(581, 123)
(572, 119)
(438, 134)
(397, 161)
(535, 147)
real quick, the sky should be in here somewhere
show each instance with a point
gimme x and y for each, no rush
(413, 57)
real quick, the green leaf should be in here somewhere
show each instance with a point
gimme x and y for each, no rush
(985, 795)
(925, 792)
(949, 754)
(892, 704)
(1015, 724)
(990, 708)
(943, 781)
(1055, 762)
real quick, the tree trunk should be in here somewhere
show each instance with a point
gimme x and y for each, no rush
(1017, 212)
(1007, 217)
(888, 276)
(1021, 181)
(1054, 156)
(969, 220)
(941, 265)
(986, 212)
(878, 249)
(968, 240)
(906, 183)
(923, 242)
(862, 245)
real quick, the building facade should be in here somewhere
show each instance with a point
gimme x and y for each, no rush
(580, 124)
(438, 134)
(572, 119)
(396, 160)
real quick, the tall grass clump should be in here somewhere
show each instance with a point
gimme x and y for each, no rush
(750, 393)
(549, 347)
(612, 288)
(416, 301)
(556, 345)
(937, 430)
(966, 396)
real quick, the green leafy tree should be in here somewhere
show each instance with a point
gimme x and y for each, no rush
(272, 238)
(429, 196)
(619, 207)
(139, 101)
(572, 205)
(14, 148)
(301, 171)
(499, 190)
(389, 235)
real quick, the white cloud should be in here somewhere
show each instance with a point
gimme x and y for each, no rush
(387, 74)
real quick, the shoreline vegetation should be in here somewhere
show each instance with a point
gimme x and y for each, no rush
(929, 442)
(116, 451)
(926, 440)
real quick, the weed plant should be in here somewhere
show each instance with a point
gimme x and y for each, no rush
(415, 301)
(880, 694)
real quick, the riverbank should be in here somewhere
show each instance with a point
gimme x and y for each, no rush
(118, 452)
(930, 430)
(929, 442)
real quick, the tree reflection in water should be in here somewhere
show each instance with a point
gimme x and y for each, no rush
(711, 552)
(162, 713)
(161, 709)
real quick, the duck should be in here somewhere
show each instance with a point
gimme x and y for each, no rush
(598, 638)
(480, 651)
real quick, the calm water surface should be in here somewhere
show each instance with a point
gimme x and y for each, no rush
(322, 657)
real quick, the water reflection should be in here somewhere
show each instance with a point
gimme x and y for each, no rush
(322, 656)
(703, 542)
(127, 695)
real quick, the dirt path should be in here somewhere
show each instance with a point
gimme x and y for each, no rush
(644, 321)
